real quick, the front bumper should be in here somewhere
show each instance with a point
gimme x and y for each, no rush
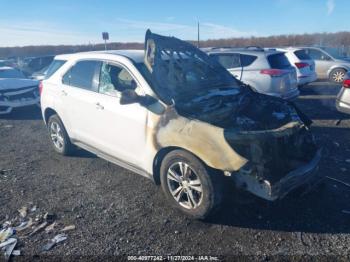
(306, 79)
(7, 106)
(303, 175)
(342, 106)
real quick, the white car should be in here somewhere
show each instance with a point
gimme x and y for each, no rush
(176, 116)
(302, 62)
(16, 91)
(343, 97)
(265, 71)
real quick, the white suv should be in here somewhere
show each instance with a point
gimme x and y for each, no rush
(176, 116)
(302, 62)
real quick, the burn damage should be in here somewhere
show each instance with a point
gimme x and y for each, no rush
(262, 142)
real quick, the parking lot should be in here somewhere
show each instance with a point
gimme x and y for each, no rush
(117, 212)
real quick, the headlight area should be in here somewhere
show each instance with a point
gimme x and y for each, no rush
(277, 163)
(18, 98)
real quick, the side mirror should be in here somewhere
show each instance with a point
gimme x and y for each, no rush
(129, 96)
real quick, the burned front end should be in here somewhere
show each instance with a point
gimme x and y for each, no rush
(271, 134)
(262, 142)
(280, 159)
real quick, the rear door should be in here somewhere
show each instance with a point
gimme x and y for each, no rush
(79, 90)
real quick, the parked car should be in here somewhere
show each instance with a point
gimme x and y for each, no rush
(41, 74)
(10, 72)
(343, 97)
(303, 64)
(16, 92)
(35, 64)
(266, 71)
(329, 63)
(175, 115)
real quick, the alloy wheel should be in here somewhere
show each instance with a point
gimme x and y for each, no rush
(338, 76)
(56, 135)
(184, 185)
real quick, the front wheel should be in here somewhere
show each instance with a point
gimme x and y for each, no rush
(337, 75)
(189, 185)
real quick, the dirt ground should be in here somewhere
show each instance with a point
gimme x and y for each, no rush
(118, 213)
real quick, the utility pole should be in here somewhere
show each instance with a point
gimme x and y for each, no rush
(198, 34)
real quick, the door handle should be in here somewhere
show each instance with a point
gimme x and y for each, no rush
(99, 106)
(64, 93)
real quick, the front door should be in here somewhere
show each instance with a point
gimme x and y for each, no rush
(120, 129)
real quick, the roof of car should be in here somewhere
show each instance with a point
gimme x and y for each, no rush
(135, 55)
(248, 51)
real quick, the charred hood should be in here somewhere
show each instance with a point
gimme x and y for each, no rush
(202, 89)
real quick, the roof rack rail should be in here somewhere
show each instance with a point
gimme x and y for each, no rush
(252, 47)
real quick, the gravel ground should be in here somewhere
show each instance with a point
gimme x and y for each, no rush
(119, 213)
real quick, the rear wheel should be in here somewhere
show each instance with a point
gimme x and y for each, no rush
(337, 75)
(189, 185)
(59, 137)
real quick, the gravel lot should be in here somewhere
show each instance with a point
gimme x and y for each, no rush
(118, 213)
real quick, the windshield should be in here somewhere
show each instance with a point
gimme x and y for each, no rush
(179, 71)
(53, 67)
(334, 52)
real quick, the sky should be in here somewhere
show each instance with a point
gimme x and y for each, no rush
(44, 22)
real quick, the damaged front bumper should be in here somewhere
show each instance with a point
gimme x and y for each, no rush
(280, 160)
(14, 99)
(263, 188)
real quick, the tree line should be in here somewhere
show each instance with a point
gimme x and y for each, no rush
(339, 39)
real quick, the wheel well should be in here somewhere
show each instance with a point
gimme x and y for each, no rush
(158, 161)
(343, 68)
(160, 156)
(49, 112)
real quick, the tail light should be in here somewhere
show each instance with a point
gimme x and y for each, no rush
(301, 65)
(346, 83)
(41, 87)
(273, 72)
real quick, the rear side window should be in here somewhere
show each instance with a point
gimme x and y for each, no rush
(83, 74)
(228, 60)
(247, 60)
(278, 61)
(302, 55)
(54, 66)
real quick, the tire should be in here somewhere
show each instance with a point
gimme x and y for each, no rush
(186, 186)
(59, 137)
(337, 75)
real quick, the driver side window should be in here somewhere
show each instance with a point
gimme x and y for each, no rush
(115, 79)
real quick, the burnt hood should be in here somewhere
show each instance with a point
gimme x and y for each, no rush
(200, 88)
(180, 71)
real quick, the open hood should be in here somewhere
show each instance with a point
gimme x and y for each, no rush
(200, 88)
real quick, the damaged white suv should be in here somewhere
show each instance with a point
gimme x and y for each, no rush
(173, 114)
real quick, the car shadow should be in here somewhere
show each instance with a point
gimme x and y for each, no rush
(24, 113)
(320, 211)
(81, 153)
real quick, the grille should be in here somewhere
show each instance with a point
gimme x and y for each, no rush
(27, 95)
